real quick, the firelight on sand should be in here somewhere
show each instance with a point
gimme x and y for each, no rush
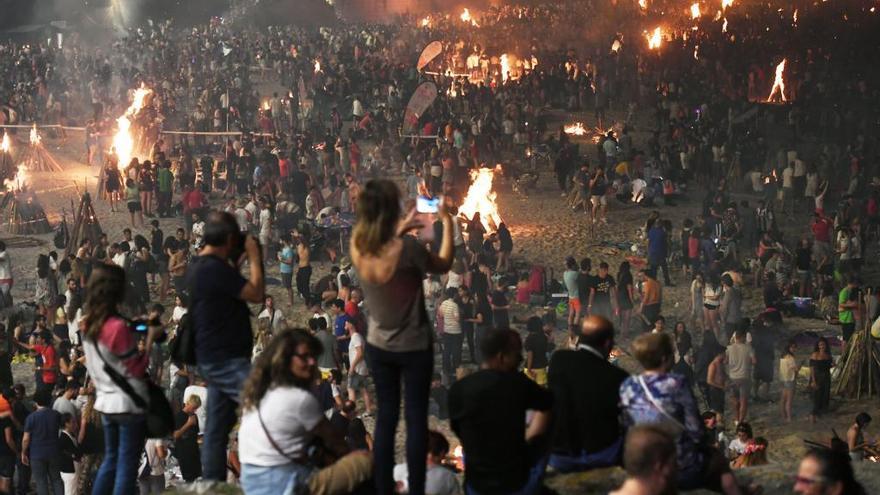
(778, 83)
(123, 141)
(481, 198)
(5, 144)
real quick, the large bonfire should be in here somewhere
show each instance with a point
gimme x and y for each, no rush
(124, 140)
(481, 198)
(37, 158)
(25, 215)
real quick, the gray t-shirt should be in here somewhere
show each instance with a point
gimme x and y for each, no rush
(396, 317)
(328, 342)
(739, 361)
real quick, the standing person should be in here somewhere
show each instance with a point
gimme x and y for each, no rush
(69, 454)
(285, 265)
(658, 250)
(9, 451)
(5, 275)
(153, 479)
(467, 312)
(303, 268)
(223, 335)
(598, 188)
(730, 308)
(486, 411)
(603, 294)
(452, 336)
(110, 343)
(855, 437)
(740, 359)
(625, 297)
(186, 439)
(537, 350)
(649, 308)
(40, 448)
(505, 247)
(145, 187)
(391, 266)
(164, 189)
(112, 183)
(820, 377)
(716, 381)
(133, 200)
(847, 302)
(788, 369)
(358, 374)
(711, 301)
(570, 279)
(281, 418)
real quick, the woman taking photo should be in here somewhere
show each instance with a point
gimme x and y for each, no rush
(109, 342)
(391, 266)
(281, 418)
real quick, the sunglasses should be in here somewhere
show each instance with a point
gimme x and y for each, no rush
(305, 356)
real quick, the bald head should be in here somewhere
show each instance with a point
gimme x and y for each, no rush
(598, 333)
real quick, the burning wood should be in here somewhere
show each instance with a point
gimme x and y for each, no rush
(123, 141)
(655, 38)
(481, 198)
(5, 144)
(37, 157)
(778, 83)
(19, 182)
(505, 67)
(576, 129)
(25, 214)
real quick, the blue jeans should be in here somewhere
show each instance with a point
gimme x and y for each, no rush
(416, 369)
(47, 473)
(452, 347)
(124, 437)
(287, 479)
(585, 461)
(224, 382)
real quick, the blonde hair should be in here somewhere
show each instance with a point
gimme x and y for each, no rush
(378, 212)
(194, 400)
(652, 350)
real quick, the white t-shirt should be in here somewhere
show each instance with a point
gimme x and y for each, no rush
(438, 480)
(357, 340)
(289, 414)
(201, 412)
(157, 464)
(265, 222)
(178, 313)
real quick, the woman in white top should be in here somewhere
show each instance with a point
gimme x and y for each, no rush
(711, 301)
(5, 272)
(281, 417)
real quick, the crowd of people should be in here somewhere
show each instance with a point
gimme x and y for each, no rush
(281, 401)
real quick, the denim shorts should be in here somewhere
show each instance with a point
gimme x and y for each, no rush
(287, 479)
(356, 381)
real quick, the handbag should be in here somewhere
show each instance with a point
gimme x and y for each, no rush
(159, 416)
(182, 348)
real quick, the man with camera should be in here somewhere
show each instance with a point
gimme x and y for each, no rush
(221, 324)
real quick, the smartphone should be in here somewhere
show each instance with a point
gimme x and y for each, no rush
(425, 204)
(139, 326)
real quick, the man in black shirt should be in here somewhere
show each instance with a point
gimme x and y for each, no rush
(585, 282)
(587, 432)
(487, 411)
(223, 336)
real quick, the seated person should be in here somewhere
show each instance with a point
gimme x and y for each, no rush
(439, 479)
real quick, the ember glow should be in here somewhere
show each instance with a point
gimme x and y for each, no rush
(695, 11)
(123, 141)
(5, 144)
(778, 83)
(655, 39)
(576, 129)
(35, 136)
(481, 198)
(466, 17)
(317, 66)
(19, 182)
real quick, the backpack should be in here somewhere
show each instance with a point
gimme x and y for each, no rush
(182, 348)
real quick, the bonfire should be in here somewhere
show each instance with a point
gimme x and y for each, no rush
(778, 84)
(123, 140)
(481, 198)
(7, 168)
(37, 158)
(25, 215)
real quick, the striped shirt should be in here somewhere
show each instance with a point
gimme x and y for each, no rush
(451, 317)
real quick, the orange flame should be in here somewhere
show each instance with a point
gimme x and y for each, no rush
(458, 458)
(123, 142)
(20, 181)
(726, 3)
(695, 11)
(426, 22)
(5, 144)
(615, 47)
(576, 129)
(794, 16)
(724, 26)
(481, 198)
(466, 17)
(643, 4)
(655, 39)
(317, 66)
(35, 136)
(505, 67)
(778, 83)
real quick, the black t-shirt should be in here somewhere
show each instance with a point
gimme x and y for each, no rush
(221, 320)
(487, 411)
(466, 312)
(536, 342)
(500, 317)
(802, 259)
(299, 183)
(603, 287)
(585, 282)
(479, 282)
(599, 186)
(626, 279)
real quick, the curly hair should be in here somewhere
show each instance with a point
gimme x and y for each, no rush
(272, 366)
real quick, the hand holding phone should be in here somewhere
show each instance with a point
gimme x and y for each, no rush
(425, 204)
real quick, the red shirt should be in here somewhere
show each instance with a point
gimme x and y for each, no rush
(821, 230)
(193, 200)
(283, 167)
(50, 362)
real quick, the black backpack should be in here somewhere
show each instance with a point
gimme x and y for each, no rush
(182, 347)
